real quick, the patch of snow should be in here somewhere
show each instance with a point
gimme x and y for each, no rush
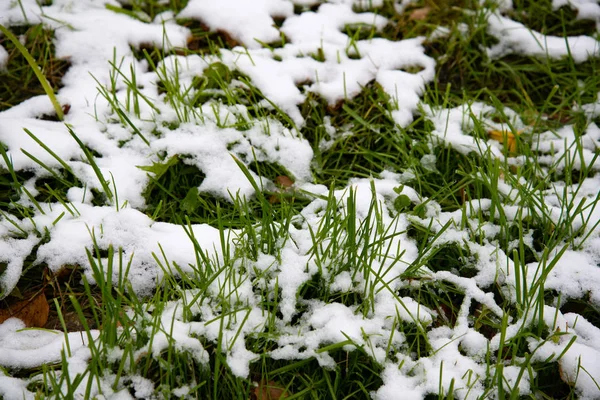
(586, 9)
(515, 38)
(29, 348)
(250, 23)
(3, 58)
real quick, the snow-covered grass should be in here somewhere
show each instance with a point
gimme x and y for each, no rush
(343, 199)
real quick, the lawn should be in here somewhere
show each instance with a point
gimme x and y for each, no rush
(300, 199)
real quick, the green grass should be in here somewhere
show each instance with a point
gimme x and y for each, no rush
(18, 81)
(365, 142)
(148, 10)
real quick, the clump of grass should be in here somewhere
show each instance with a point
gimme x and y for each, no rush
(148, 10)
(173, 192)
(419, 18)
(202, 41)
(541, 16)
(11, 182)
(18, 81)
(368, 142)
(365, 140)
(540, 90)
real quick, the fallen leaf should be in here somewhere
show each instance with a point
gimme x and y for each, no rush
(564, 375)
(62, 275)
(505, 137)
(284, 181)
(419, 14)
(269, 391)
(33, 312)
(274, 199)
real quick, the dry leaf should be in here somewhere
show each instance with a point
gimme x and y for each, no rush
(269, 391)
(419, 14)
(62, 275)
(505, 137)
(273, 199)
(564, 375)
(33, 312)
(284, 181)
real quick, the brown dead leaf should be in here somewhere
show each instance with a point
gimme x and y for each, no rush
(284, 185)
(274, 199)
(62, 275)
(563, 116)
(419, 14)
(284, 181)
(33, 312)
(268, 391)
(335, 107)
(567, 378)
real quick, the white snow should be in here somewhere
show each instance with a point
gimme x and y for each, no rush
(30, 348)
(3, 58)
(586, 9)
(248, 22)
(516, 38)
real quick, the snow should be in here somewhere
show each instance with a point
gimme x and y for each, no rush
(248, 22)
(579, 365)
(3, 58)
(557, 147)
(396, 381)
(316, 56)
(514, 37)
(453, 127)
(14, 388)
(13, 252)
(23, 348)
(586, 9)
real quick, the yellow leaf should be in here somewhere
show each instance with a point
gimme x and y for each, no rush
(505, 137)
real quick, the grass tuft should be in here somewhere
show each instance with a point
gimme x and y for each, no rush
(42, 73)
